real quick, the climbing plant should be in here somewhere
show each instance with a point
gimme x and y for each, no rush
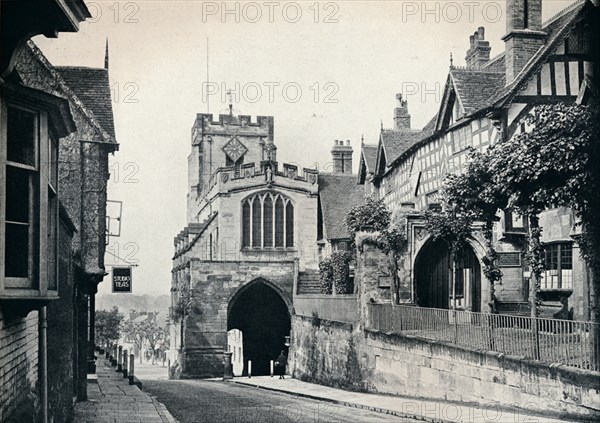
(340, 264)
(372, 213)
(326, 276)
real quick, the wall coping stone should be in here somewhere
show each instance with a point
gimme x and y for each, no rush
(327, 323)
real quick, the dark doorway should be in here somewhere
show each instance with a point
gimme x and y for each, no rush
(263, 317)
(432, 276)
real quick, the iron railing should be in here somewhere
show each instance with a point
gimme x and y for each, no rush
(566, 342)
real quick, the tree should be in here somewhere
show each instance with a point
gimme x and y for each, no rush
(475, 192)
(108, 326)
(145, 330)
(555, 163)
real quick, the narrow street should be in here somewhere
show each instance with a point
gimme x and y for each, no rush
(203, 401)
(198, 401)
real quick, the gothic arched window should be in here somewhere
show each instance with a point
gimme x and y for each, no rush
(267, 221)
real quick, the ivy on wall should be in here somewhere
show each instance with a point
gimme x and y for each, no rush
(334, 273)
(340, 264)
(326, 276)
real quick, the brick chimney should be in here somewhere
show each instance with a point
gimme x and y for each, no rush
(524, 35)
(342, 157)
(401, 116)
(479, 52)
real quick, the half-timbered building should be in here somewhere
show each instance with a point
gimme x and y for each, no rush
(483, 102)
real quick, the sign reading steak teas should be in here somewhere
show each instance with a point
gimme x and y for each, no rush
(121, 279)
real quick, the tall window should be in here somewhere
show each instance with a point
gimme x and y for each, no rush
(267, 221)
(559, 267)
(30, 212)
(22, 198)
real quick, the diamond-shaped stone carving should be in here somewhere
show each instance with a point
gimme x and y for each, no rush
(234, 149)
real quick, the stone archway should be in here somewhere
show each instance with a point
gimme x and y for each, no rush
(263, 316)
(432, 277)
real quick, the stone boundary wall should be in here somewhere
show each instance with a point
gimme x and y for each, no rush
(341, 308)
(341, 355)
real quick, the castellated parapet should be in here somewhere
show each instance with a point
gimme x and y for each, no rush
(262, 127)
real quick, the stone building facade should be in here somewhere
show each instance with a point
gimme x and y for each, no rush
(542, 63)
(56, 128)
(251, 230)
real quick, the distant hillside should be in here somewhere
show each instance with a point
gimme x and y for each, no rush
(127, 302)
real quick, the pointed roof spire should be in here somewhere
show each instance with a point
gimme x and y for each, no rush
(106, 55)
(382, 124)
(362, 139)
(451, 61)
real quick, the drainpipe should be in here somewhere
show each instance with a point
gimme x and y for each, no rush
(43, 362)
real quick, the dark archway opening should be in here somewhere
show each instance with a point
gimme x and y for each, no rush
(263, 317)
(433, 286)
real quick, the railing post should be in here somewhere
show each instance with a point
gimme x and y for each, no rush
(455, 327)
(249, 369)
(490, 325)
(535, 335)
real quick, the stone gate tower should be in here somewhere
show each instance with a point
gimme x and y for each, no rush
(251, 227)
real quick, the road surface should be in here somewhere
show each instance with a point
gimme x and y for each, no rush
(201, 401)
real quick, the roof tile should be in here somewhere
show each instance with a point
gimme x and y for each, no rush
(338, 193)
(92, 87)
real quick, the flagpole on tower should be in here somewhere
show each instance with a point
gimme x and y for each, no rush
(207, 77)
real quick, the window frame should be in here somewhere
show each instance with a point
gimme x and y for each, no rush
(544, 282)
(36, 284)
(247, 234)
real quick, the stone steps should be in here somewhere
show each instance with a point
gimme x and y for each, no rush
(309, 283)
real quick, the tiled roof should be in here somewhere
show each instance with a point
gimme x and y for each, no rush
(476, 88)
(429, 129)
(395, 142)
(338, 193)
(496, 64)
(369, 152)
(91, 86)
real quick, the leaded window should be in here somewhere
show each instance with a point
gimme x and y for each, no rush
(559, 267)
(267, 221)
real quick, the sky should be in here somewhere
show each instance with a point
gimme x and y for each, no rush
(324, 70)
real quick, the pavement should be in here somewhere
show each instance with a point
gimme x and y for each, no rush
(112, 400)
(404, 407)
